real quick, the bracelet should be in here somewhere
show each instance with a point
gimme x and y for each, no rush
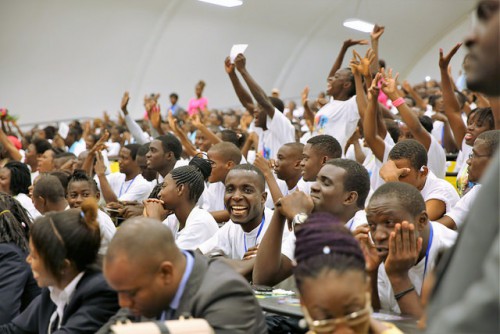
(401, 294)
(397, 102)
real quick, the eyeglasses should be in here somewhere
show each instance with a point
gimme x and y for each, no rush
(474, 155)
(329, 325)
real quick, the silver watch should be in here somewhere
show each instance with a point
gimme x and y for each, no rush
(298, 219)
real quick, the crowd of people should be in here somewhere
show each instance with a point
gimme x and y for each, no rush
(180, 213)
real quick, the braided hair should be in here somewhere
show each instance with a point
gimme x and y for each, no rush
(20, 177)
(323, 243)
(15, 222)
(194, 176)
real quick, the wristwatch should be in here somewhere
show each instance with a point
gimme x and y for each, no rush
(298, 219)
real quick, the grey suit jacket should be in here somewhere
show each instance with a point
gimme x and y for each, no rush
(467, 294)
(216, 293)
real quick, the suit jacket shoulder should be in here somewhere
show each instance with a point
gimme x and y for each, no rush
(91, 305)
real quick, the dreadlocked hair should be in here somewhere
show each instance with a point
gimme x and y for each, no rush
(193, 177)
(15, 222)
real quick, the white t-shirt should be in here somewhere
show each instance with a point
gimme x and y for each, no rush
(373, 165)
(443, 238)
(338, 119)
(113, 148)
(200, 226)
(459, 212)
(436, 158)
(137, 189)
(279, 132)
(304, 186)
(213, 197)
(440, 189)
(108, 230)
(463, 155)
(438, 131)
(231, 239)
(27, 203)
(288, 245)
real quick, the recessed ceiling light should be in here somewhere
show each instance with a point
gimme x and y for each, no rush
(359, 25)
(224, 3)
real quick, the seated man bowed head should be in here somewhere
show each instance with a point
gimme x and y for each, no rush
(163, 282)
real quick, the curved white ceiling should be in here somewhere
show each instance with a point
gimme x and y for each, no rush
(66, 59)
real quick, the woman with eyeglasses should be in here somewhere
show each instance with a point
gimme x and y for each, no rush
(75, 297)
(332, 281)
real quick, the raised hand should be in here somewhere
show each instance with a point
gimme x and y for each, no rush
(406, 86)
(195, 120)
(444, 61)
(372, 259)
(377, 32)
(99, 167)
(155, 118)
(240, 62)
(100, 144)
(305, 95)
(362, 65)
(404, 249)
(228, 66)
(374, 89)
(351, 42)
(389, 85)
(124, 103)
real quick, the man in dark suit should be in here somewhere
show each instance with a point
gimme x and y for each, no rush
(156, 280)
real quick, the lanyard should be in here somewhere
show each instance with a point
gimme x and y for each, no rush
(258, 233)
(121, 188)
(431, 235)
(350, 223)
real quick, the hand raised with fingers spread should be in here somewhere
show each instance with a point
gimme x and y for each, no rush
(377, 32)
(195, 120)
(444, 61)
(228, 66)
(362, 65)
(240, 62)
(389, 85)
(374, 89)
(404, 249)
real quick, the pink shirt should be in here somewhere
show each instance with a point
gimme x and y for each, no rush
(195, 104)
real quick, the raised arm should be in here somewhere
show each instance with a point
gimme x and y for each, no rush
(376, 144)
(100, 170)
(308, 114)
(132, 125)
(374, 37)
(340, 57)
(9, 147)
(243, 95)
(361, 67)
(198, 124)
(409, 117)
(451, 106)
(186, 143)
(257, 92)
(263, 164)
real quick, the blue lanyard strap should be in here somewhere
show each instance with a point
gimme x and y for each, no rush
(258, 233)
(431, 236)
(128, 187)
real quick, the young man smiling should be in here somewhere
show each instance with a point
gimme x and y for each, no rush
(245, 199)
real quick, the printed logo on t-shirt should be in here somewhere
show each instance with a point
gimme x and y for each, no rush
(266, 152)
(320, 123)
